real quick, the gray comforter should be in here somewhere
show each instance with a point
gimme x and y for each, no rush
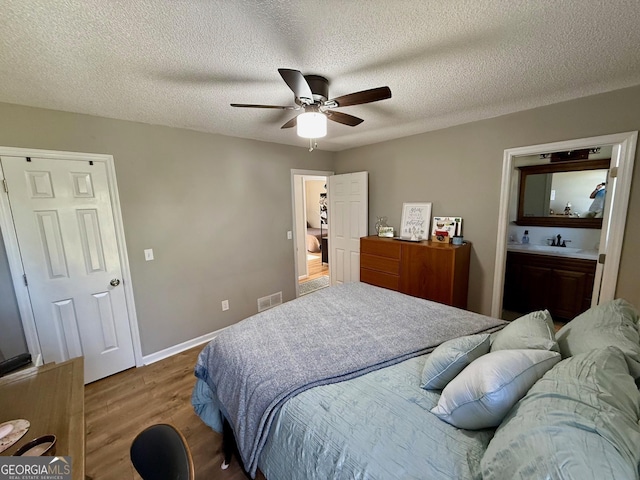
(332, 335)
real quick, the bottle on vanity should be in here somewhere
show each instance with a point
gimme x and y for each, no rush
(525, 237)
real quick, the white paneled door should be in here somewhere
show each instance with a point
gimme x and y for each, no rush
(348, 216)
(64, 224)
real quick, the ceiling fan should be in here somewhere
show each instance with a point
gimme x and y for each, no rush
(311, 93)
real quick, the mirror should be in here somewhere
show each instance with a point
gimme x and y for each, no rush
(563, 194)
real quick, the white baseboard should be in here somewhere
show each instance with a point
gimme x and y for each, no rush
(181, 347)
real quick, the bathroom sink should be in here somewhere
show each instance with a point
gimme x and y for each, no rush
(552, 250)
(547, 248)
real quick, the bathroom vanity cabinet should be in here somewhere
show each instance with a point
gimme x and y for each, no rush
(562, 285)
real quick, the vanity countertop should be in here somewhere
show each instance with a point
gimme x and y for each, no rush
(567, 252)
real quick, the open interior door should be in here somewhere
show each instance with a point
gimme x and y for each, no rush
(348, 219)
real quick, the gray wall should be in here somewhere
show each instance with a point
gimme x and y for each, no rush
(459, 169)
(214, 209)
(12, 340)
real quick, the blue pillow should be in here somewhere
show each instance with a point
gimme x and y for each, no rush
(450, 358)
(534, 330)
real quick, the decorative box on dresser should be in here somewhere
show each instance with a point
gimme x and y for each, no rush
(435, 271)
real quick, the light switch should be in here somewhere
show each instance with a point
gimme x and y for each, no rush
(289, 235)
(148, 254)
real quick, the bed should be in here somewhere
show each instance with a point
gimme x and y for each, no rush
(332, 385)
(339, 333)
(314, 238)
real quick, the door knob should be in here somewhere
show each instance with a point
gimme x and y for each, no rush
(115, 282)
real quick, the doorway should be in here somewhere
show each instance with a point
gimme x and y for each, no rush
(623, 147)
(311, 228)
(63, 232)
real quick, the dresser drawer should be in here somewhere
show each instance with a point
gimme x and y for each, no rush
(379, 279)
(380, 264)
(381, 247)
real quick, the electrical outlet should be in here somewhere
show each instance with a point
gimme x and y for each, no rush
(225, 305)
(289, 235)
(148, 254)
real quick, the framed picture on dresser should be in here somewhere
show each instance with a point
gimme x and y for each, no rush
(415, 222)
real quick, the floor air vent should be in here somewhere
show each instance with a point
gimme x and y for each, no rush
(265, 303)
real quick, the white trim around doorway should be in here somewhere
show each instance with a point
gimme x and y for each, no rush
(304, 173)
(13, 252)
(624, 150)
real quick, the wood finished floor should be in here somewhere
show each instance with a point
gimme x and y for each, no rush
(117, 408)
(120, 406)
(316, 269)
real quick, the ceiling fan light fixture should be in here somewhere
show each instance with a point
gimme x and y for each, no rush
(312, 125)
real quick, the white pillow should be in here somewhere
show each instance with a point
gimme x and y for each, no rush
(484, 392)
(451, 357)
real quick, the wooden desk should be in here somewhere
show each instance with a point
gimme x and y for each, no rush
(51, 398)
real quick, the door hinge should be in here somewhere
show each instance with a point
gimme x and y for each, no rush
(4, 184)
(613, 172)
(601, 258)
(24, 277)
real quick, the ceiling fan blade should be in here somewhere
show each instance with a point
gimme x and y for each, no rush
(365, 96)
(291, 123)
(249, 105)
(297, 83)
(344, 118)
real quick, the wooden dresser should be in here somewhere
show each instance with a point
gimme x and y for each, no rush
(435, 271)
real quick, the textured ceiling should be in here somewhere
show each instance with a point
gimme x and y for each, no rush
(182, 62)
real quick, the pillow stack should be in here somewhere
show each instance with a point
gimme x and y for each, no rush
(613, 323)
(579, 421)
(482, 380)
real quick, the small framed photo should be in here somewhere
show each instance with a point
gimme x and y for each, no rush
(445, 228)
(415, 222)
(385, 232)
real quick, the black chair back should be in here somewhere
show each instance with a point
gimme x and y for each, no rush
(160, 452)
